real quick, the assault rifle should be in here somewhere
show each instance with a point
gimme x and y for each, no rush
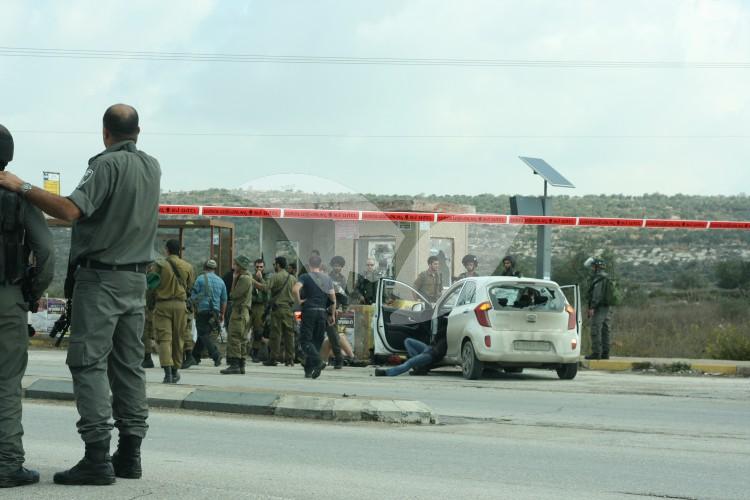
(62, 325)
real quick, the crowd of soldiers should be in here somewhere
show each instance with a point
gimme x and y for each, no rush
(256, 309)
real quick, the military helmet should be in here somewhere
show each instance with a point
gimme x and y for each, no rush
(6, 145)
(469, 258)
(243, 262)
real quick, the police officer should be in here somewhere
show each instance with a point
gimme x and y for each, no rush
(470, 263)
(23, 232)
(599, 311)
(281, 300)
(239, 322)
(173, 279)
(260, 297)
(115, 212)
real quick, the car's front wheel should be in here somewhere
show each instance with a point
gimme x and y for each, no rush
(470, 366)
(567, 371)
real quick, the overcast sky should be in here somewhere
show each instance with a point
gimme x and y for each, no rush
(444, 127)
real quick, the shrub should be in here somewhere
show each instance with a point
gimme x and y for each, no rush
(730, 342)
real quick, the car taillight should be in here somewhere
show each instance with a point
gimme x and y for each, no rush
(572, 319)
(483, 316)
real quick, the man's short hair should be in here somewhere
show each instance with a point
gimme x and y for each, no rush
(122, 121)
(315, 260)
(259, 261)
(338, 260)
(173, 247)
(431, 259)
(280, 261)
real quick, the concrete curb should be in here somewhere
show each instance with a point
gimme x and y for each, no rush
(256, 403)
(670, 365)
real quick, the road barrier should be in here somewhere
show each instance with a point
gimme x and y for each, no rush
(369, 215)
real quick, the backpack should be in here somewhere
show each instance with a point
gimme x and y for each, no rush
(612, 296)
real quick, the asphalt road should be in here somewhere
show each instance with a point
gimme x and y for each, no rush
(601, 435)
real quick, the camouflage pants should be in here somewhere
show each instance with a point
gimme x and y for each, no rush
(170, 319)
(237, 334)
(282, 329)
(600, 330)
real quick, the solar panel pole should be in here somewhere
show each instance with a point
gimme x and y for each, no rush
(544, 244)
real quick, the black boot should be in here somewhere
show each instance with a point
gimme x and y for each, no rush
(95, 467)
(127, 459)
(217, 359)
(167, 375)
(175, 375)
(338, 363)
(254, 356)
(242, 366)
(189, 360)
(147, 361)
(20, 477)
(233, 368)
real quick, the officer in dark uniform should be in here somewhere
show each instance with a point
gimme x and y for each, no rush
(114, 211)
(23, 233)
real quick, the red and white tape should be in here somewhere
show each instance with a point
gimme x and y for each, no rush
(367, 215)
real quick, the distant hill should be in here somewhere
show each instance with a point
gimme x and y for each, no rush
(641, 255)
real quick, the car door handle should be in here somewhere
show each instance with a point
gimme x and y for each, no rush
(466, 311)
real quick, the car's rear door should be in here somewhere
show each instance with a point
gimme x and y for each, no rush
(400, 312)
(460, 317)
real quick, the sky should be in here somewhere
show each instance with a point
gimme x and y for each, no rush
(621, 97)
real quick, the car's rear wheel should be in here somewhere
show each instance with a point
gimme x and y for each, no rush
(470, 365)
(568, 371)
(513, 369)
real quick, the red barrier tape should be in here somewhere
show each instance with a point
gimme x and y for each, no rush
(353, 215)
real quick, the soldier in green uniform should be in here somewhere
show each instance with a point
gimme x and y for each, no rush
(241, 296)
(173, 278)
(599, 309)
(23, 233)
(115, 210)
(430, 282)
(260, 297)
(279, 288)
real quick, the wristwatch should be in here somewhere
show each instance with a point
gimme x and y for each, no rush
(25, 188)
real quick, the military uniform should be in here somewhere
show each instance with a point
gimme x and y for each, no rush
(430, 285)
(282, 317)
(22, 230)
(257, 309)
(239, 324)
(602, 318)
(170, 314)
(112, 244)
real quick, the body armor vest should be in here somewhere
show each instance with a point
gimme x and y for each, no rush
(14, 256)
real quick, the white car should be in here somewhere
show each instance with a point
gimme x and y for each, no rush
(496, 322)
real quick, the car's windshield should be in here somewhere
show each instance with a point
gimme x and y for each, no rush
(525, 296)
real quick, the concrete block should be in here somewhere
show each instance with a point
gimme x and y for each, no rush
(50, 389)
(724, 369)
(416, 412)
(297, 406)
(349, 409)
(743, 371)
(166, 395)
(231, 402)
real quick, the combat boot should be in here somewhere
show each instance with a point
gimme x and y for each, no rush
(217, 360)
(147, 361)
(254, 356)
(175, 375)
(189, 360)
(338, 363)
(20, 477)
(167, 375)
(126, 461)
(233, 368)
(242, 366)
(94, 468)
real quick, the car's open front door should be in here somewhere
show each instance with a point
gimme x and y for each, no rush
(573, 293)
(400, 312)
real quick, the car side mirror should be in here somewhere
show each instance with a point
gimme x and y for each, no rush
(418, 307)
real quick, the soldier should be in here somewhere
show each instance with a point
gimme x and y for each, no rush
(281, 300)
(507, 267)
(470, 263)
(209, 294)
(430, 282)
(172, 278)
(148, 329)
(23, 233)
(260, 297)
(599, 311)
(241, 297)
(115, 210)
(367, 283)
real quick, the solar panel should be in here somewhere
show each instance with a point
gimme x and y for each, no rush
(546, 171)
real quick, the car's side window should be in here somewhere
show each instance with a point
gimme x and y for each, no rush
(450, 300)
(468, 294)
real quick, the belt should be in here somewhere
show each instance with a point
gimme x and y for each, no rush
(139, 267)
(315, 309)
